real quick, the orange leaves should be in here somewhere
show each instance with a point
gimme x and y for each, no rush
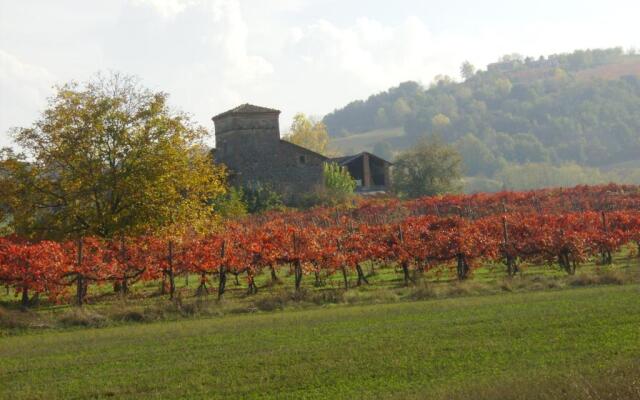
(566, 226)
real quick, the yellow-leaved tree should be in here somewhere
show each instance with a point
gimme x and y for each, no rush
(110, 158)
(310, 134)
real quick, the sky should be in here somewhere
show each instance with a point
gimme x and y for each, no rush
(310, 56)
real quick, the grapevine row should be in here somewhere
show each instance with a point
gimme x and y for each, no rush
(561, 227)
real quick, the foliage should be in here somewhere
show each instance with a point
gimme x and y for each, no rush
(230, 204)
(337, 179)
(549, 110)
(557, 227)
(261, 198)
(108, 157)
(477, 157)
(431, 167)
(309, 134)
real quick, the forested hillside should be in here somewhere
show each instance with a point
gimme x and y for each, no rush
(581, 108)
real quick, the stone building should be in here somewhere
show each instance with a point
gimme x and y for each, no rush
(248, 143)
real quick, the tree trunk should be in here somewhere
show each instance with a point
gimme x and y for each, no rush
(344, 277)
(361, 277)
(25, 297)
(222, 281)
(125, 285)
(566, 263)
(80, 284)
(202, 288)
(253, 288)
(79, 290)
(172, 284)
(511, 267)
(274, 276)
(170, 273)
(318, 282)
(297, 270)
(462, 268)
(405, 273)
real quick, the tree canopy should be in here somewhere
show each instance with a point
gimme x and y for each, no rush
(567, 108)
(110, 157)
(308, 133)
(431, 167)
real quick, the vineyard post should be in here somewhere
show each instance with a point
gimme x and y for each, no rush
(25, 296)
(172, 282)
(606, 253)
(124, 287)
(79, 276)
(511, 267)
(404, 264)
(361, 277)
(223, 272)
(274, 276)
(297, 265)
(253, 288)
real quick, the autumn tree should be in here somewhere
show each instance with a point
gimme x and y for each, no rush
(310, 134)
(108, 158)
(431, 167)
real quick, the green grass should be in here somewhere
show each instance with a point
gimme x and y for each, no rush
(438, 348)
(365, 141)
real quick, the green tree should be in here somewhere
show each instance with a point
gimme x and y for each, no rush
(439, 123)
(467, 70)
(260, 198)
(310, 134)
(108, 157)
(430, 167)
(400, 109)
(478, 158)
(337, 179)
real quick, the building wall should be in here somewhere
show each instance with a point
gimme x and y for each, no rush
(250, 146)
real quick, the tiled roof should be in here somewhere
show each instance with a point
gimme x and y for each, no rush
(248, 109)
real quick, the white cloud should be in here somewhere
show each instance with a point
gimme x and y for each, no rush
(369, 52)
(230, 40)
(166, 8)
(24, 88)
(296, 55)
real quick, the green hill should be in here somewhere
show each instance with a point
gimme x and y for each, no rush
(579, 108)
(366, 141)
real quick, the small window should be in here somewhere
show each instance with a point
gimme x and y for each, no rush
(302, 159)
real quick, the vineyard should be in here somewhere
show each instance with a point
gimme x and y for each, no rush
(562, 228)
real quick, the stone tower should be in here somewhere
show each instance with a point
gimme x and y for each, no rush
(245, 135)
(248, 143)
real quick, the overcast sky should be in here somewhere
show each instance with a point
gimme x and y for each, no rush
(306, 56)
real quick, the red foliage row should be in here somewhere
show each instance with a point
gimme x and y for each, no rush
(326, 241)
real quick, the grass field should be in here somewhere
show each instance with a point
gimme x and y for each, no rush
(583, 340)
(364, 141)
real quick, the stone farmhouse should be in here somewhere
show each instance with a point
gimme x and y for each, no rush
(248, 143)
